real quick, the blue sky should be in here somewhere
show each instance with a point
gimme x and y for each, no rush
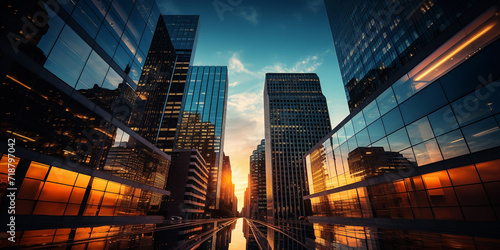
(254, 37)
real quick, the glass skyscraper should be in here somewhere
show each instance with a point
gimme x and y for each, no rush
(420, 150)
(70, 94)
(203, 119)
(296, 118)
(375, 39)
(183, 30)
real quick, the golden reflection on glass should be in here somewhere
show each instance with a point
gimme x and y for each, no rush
(37, 170)
(63, 176)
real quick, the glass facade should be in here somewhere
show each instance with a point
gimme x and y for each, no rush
(296, 117)
(203, 119)
(70, 94)
(374, 40)
(183, 31)
(431, 153)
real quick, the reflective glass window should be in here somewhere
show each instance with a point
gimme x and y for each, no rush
(136, 25)
(352, 143)
(489, 171)
(55, 192)
(30, 189)
(419, 131)
(409, 155)
(341, 135)
(122, 58)
(107, 41)
(386, 101)
(398, 140)
(470, 108)
(452, 144)
(393, 121)
(67, 58)
(55, 25)
(86, 18)
(93, 73)
(423, 103)
(114, 24)
(49, 208)
(122, 9)
(382, 143)
(349, 131)
(427, 152)
(146, 39)
(37, 171)
(100, 7)
(135, 73)
(443, 121)
(482, 135)
(371, 112)
(63, 176)
(67, 5)
(464, 175)
(471, 195)
(363, 138)
(358, 122)
(376, 130)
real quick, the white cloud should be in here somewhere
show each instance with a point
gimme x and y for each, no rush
(315, 5)
(244, 101)
(308, 64)
(234, 84)
(249, 14)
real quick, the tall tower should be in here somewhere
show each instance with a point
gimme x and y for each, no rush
(296, 118)
(203, 119)
(183, 30)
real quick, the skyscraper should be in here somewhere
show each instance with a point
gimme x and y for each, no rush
(296, 118)
(183, 30)
(257, 184)
(420, 153)
(375, 39)
(203, 119)
(69, 90)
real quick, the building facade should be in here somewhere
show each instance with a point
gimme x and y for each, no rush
(257, 184)
(227, 198)
(70, 85)
(296, 117)
(183, 30)
(421, 153)
(188, 180)
(203, 119)
(374, 40)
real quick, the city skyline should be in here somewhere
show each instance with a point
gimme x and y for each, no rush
(300, 124)
(270, 24)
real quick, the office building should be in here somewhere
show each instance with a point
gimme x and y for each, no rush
(202, 121)
(69, 88)
(188, 179)
(227, 198)
(421, 152)
(296, 118)
(183, 30)
(376, 40)
(258, 199)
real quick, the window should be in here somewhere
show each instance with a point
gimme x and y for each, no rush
(419, 131)
(393, 121)
(423, 103)
(443, 120)
(482, 135)
(363, 138)
(93, 73)
(67, 58)
(471, 108)
(452, 144)
(386, 101)
(427, 152)
(376, 130)
(398, 140)
(371, 112)
(358, 122)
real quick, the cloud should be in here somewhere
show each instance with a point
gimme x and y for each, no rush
(236, 66)
(249, 14)
(315, 5)
(234, 84)
(244, 101)
(308, 64)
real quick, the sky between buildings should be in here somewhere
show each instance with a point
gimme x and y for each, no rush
(255, 37)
